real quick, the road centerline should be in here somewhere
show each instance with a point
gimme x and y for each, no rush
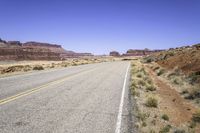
(35, 89)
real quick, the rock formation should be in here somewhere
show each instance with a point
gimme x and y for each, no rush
(137, 52)
(15, 50)
(114, 53)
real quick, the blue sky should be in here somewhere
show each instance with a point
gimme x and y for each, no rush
(100, 26)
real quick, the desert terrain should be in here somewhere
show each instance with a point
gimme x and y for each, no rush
(166, 88)
(17, 57)
(159, 90)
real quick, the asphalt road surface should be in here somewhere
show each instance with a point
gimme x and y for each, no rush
(90, 98)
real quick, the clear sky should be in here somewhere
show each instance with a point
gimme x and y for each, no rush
(99, 26)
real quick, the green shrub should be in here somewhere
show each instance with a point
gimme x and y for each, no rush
(192, 124)
(139, 75)
(135, 92)
(27, 68)
(152, 102)
(156, 68)
(160, 72)
(142, 70)
(144, 124)
(142, 82)
(196, 116)
(38, 67)
(179, 131)
(52, 66)
(148, 59)
(74, 63)
(142, 116)
(195, 93)
(170, 75)
(177, 81)
(177, 71)
(185, 92)
(133, 71)
(15, 68)
(165, 117)
(153, 122)
(150, 88)
(165, 129)
(132, 65)
(149, 81)
(194, 77)
(133, 88)
(133, 85)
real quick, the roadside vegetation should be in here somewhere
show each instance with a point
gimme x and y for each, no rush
(160, 96)
(38, 67)
(144, 91)
(186, 85)
(179, 69)
(26, 66)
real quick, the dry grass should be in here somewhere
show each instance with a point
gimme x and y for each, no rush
(150, 88)
(187, 85)
(165, 129)
(179, 131)
(160, 72)
(152, 117)
(193, 93)
(141, 86)
(9, 68)
(165, 117)
(152, 102)
(38, 67)
(196, 116)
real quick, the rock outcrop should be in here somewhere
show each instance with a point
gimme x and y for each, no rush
(137, 52)
(15, 50)
(184, 58)
(27, 53)
(114, 53)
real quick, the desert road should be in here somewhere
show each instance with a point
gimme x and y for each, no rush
(90, 98)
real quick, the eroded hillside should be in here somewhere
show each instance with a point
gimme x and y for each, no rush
(166, 86)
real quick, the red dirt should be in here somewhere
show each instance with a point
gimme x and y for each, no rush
(177, 108)
(188, 60)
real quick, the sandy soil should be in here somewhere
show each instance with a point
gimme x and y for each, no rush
(170, 102)
(179, 110)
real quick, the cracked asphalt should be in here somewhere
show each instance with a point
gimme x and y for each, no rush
(86, 101)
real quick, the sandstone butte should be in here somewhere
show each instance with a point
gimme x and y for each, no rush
(135, 52)
(15, 50)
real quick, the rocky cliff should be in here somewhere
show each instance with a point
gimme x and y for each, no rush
(15, 50)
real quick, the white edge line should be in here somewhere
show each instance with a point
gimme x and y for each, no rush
(119, 117)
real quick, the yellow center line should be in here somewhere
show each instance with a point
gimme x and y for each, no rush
(28, 92)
